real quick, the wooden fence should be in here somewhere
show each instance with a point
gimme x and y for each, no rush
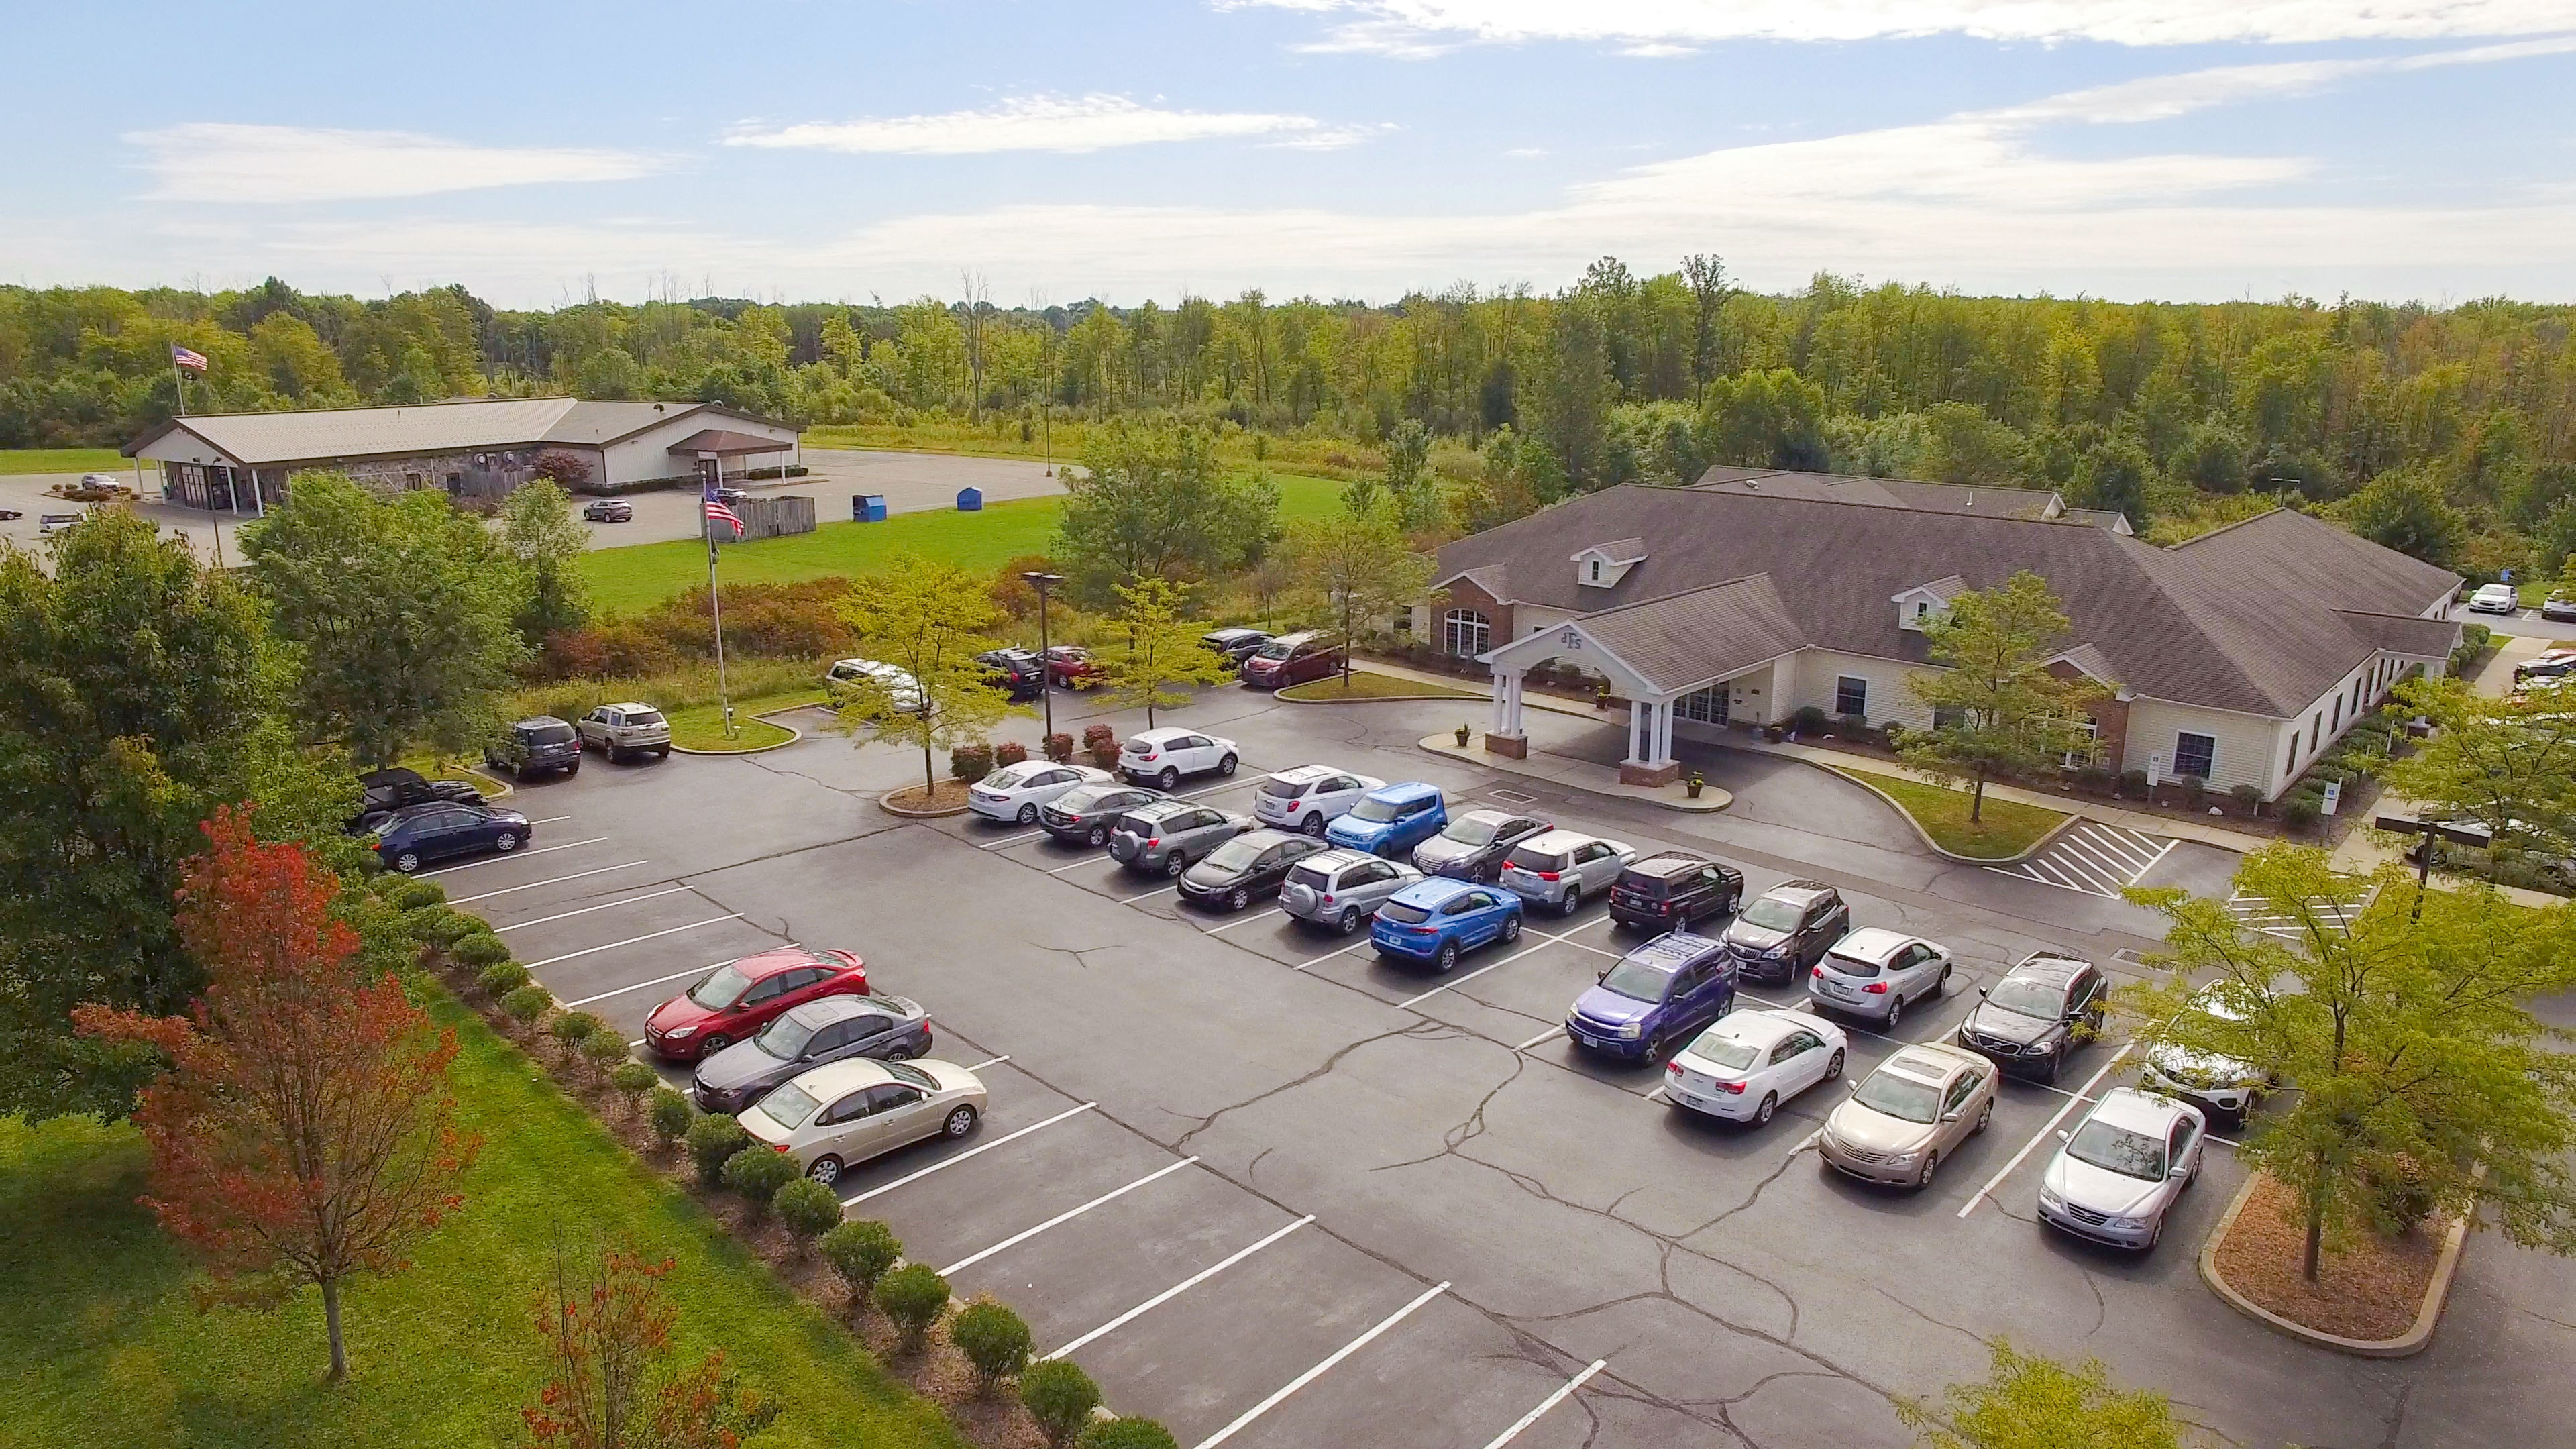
(771, 518)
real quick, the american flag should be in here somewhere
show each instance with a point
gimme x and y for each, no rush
(716, 509)
(193, 361)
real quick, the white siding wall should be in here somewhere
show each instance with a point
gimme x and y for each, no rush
(1818, 670)
(648, 453)
(2248, 746)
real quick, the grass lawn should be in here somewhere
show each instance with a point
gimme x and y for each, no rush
(1366, 684)
(701, 726)
(100, 1343)
(2007, 829)
(66, 460)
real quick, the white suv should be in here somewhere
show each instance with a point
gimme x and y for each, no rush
(1309, 797)
(619, 730)
(1874, 972)
(1163, 756)
(1563, 867)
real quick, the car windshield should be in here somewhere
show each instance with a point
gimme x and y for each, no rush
(554, 734)
(1850, 966)
(645, 717)
(1908, 1099)
(1375, 809)
(1772, 915)
(1235, 854)
(1143, 746)
(1725, 1051)
(789, 1105)
(1277, 651)
(2030, 998)
(1468, 830)
(1402, 914)
(1528, 859)
(786, 1038)
(1639, 980)
(1314, 877)
(719, 989)
(904, 1072)
(2117, 1149)
(1009, 776)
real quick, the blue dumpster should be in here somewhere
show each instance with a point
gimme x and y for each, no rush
(970, 500)
(867, 508)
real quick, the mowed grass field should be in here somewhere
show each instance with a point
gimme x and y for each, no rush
(101, 1344)
(64, 460)
(638, 576)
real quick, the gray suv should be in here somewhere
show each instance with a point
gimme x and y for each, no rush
(1167, 837)
(536, 745)
(1342, 888)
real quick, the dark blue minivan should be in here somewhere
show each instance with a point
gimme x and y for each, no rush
(1661, 992)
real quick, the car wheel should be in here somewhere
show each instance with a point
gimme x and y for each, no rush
(2155, 1235)
(1099, 835)
(1313, 824)
(616, 756)
(900, 1052)
(1986, 1116)
(662, 753)
(959, 1122)
(713, 1045)
(1028, 815)
(407, 862)
(1770, 1104)
(825, 1170)
(1173, 865)
(1931, 1164)
(1448, 956)
(1895, 1011)
(572, 769)
(1511, 928)
(1834, 1068)
(507, 841)
(1350, 921)
(1226, 766)
(1944, 983)
(1239, 899)
(1168, 778)
(1573, 901)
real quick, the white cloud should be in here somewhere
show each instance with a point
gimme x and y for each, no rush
(1415, 28)
(212, 161)
(1044, 123)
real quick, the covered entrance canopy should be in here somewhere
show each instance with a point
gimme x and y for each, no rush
(709, 448)
(1655, 653)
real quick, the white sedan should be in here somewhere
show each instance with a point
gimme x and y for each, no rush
(2495, 599)
(1309, 797)
(1752, 1060)
(1013, 793)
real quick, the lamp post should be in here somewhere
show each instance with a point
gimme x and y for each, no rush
(1046, 682)
(2434, 833)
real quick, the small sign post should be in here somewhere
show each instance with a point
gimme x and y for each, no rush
(2334, 797)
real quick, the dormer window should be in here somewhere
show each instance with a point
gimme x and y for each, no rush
(1596, 570)
(1603, 565)
(1917, 607)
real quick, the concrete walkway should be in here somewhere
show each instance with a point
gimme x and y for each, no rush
(1578, 774)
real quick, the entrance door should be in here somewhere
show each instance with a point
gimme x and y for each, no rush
(1708, 706)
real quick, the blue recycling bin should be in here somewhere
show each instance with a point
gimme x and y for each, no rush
(970, 500)
(867, 508)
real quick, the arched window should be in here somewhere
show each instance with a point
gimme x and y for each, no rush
(1465, 633)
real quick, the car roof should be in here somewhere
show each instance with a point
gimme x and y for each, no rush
(1758, 1027)
(1675, 947)
(1799, 892)
(1267, 837)
(2146, 1112)
(824, 1010)
(1872, 943)
(630, 707)
(1300, 637)
(1403, 791)
(1554, 840)
(1167, 804)
(1296, 773)
(2050, 967)
(1930, 1059)
(1490, 817)
(535, 721)
(1667, 862)
(1234, 631)
(1435, 890)
(1164, 732)
(846, 1075)
(774, 960)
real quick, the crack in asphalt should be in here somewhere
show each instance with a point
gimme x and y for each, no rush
(2101, 1305)
(1970, 1334)
(1426, 1030)
(1076, 952)
(2396, 1418)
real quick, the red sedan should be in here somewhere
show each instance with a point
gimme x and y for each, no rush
(1070, 666)
(739, 998)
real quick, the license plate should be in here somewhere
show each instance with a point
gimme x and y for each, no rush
(1587, 1039)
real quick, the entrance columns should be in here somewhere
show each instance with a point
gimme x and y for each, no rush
(1503, 732)
(1650, 745)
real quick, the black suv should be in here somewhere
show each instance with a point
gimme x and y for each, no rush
(398, 788)
(536, 745)
(2037, 1015)
(1787, 930)
(1016, 670)
(1233, 645)
(1674, 891)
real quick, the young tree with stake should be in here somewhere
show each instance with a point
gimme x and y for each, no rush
(612, 1381)
(1162, 648)
(1360, 567)
(2008, 714)
(929, 619)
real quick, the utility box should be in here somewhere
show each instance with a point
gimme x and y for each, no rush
(867, 508)
(970, 500)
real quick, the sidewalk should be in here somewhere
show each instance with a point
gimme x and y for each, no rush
(1580, 774)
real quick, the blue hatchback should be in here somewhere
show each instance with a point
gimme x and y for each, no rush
(1661, 992)
(1435, 920)
(1391, 819)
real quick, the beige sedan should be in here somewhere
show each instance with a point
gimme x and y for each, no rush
(846, 1112)
(1915, 1110)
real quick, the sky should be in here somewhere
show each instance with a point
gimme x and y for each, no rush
(835, 150)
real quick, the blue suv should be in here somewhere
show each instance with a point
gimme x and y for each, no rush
(1391, 819)
(1436, 919)
(1663, 991)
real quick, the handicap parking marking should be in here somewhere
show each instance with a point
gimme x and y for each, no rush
(508, 855)
(1176, 1290)
(1564, 1391)
(1282, 1393)
(552, 880)
(2093, 857)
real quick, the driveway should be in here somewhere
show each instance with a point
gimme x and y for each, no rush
(1768, 788)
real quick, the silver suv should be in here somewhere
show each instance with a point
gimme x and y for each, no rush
(1167, 837)
(1342, 888)
(1562, 867)
(620, 730)
(1874, 973)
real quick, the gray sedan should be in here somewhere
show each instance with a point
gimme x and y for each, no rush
(828, 1029)
(1167, 837)
(2123, 1168)
(1474, 844)
(1342, 888)
(1562, 867)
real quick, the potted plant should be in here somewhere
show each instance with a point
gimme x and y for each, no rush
(1463, 732)
(1692, 784)
(1774, 733)
(1601, 695)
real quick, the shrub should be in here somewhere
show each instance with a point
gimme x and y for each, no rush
(2249, 798)
(808, 1208)
(914, 1296)
(444, 926)
(2299, 812)
(713, 1138)
(861, 1251)
(1060, 1396)
(575, 1027)
(1059, 748)
(1101, 743)
(758, 1172)
(2133, 782)
(1808, 720)
(1009, 752)
(527, 1003)
(2096, 779)
(1128, 1434)
(605, 1051)
(970, 763)
(1854, 728)
(993, 1338)
(633, 1079)
(669, 1113)
(501, 978)
(482, 948)
(407, 893)
(2192, 787)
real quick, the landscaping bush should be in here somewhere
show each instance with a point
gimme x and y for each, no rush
(1855, 728)
(408, 894)
(1009, 752)
(527, 1003)
(633, 1079)
(712, 1139)
(1128, 1434)
(861, 1251)
(1894, 735)
(808, 1208)
(605, 1051)
(669, 1114)
(1060, 1396)
(2133, 783)
(501, 978)
(1101, 743)
(970, 763)
(2096, 779)
(2249, 798)
(758, 1172)
(914, 1296)
(2193, 788)
(993, 1338)
(443, 926)
(1808, 720)
(2298, 812)
(1059, 748)
(575, 1027)
(482, 948)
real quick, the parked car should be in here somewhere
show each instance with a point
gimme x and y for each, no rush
(1787, 930)
(2216, 1083)
(1437, 920)
(384, 791)
(1904, 1118)
(49, 524)
(1342, 888)
(2035, 1018)
(1674, 890)
(1233, 645)
(803, 1037)
(1167, 837)
(2495, 599)
(608, 510)
(408, 839)
(738, 998)
(2559, 607)
(1165, 755)
(1252, 866)
(1294, 659)
(1752, 1060)
(900, 687)
(1472, 846)
(1017, 792)
(1562, 867)
(1015, 670)
(2550, 664)
(103, 480)
(2123, 1168)
(1391, 819)
(1070, 666)
(1667, 988)
(1309, 797)
(1874, 972)
(535, 746)
(621, 730)
(1085, 814)
(846, 1112)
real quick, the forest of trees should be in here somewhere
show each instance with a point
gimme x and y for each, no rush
(2450, 432)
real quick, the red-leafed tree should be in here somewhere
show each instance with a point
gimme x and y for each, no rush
(608, 1348)
(302, 1131)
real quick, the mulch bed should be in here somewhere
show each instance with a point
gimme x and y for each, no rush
(950, 795)
(2371, 1290)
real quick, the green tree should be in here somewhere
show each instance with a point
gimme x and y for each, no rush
(1407, 479)
(2508, 763)
(1965, 445)
(1766, 419)
(1151, 501)
(1162, 649)
(541, 531)
(2404, 509)
(2114, 476)
(400, 610)
(1998, 709)
(2411, 1060)
(610, 375)
(2212, 457)
(1570, 404)
(2029, 1402)
(929, 618)
(1359, 568)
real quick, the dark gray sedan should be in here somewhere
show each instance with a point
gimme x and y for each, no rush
(1169, 836)
(829, 1029)
(1085, 814)
(1474, 844)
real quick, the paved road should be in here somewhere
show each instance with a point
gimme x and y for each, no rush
(2521, 621)
(1275, 1192)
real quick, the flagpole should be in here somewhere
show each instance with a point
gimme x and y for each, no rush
(715, 607)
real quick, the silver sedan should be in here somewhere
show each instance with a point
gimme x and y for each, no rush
(2122, 1169)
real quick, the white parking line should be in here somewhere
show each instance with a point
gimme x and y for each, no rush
(1010, 840)
(1319, 1370)
(656, 981)
(510, 855)
(1248, 920)
(990, 1062)
(969, 1152)
(1068, 1215)
(1177, 1289)
(1408, 1003)
(586, 910)
(1061, 869)
(1564, 1391)
(551, 820)
(636, 940)
(1542, 1036)
(1360, 945)
(557, 880)
(2045, 1128)
(1169, 885)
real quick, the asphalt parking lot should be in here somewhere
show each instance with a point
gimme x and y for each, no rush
(1274, 1191)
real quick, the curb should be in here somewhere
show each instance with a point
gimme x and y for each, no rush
(900, 813)
(2412, 1341)
(793, 735)
(2034, 848)
(1713, 801)
(1286, 698)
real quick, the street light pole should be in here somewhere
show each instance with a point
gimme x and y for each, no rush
(1046, 667)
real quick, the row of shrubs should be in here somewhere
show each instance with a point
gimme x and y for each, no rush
(864, 1253)
(971, 763)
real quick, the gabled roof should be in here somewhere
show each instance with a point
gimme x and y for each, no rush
(1944, 588)
(2404, 634)
(1616, 551)
(260, 439)
(2313, 557)
(1699, 635)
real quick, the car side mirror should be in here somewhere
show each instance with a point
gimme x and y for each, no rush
(2063, 1135)
(1949, 1116)
(2179, 1170)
